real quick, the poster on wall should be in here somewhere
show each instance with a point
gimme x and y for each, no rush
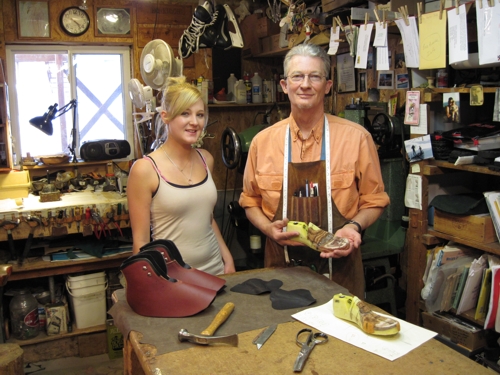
(451, 107)
(346, 75)
(412, 110)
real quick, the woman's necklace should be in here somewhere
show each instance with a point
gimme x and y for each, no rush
(190, 182)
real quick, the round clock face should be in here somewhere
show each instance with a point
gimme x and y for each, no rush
(75, 21)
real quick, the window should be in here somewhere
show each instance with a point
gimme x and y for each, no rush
(96, 77)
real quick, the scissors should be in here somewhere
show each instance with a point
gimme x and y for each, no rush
(312, 339)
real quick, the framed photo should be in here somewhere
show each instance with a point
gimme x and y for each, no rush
(412, 108)
(385, 79)
(112, 21)
(346, 76)
(451, 107)
(362, 81)
(33, 19)
(402, 81)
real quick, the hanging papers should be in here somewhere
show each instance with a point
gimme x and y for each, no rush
(380, 42)
(334, 41)
(410, 41)
(488, 33)
(364, 36)
(458, 49)
(433, 41)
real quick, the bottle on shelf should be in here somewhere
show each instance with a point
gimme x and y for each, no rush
(240, 92)
(248, 85)
(231, 82)
(256, 88)
(24, 315)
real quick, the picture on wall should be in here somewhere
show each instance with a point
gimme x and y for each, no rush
(346, 76)
(385, 79)
(402, 81)
(33, 19)
(451, 107)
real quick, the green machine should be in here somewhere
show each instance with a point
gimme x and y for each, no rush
(234, 146)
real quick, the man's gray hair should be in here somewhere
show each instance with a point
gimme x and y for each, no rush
(307, 49)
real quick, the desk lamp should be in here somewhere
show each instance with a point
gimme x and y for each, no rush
(44, 123)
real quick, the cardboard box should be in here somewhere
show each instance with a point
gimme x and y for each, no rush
(265, 27)
(56, 318)
(456, 330)
(477, 228)
(270, 43)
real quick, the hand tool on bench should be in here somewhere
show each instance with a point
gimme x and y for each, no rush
(8, 225)
(306, 346)
(33, 222)
(59, 229)
(264, 335)
(206, 337)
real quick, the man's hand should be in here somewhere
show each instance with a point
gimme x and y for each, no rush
(275, 232)
(354, 239)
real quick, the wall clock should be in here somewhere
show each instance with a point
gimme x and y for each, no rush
(74, 21)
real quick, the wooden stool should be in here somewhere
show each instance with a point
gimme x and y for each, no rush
(11, 359)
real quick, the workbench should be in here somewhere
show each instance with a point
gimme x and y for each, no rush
(151, 345)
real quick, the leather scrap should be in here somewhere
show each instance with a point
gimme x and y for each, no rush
(257, 286)
(289, 299)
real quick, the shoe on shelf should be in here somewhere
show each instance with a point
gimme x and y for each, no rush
(353, 309)
(196, 35)
(316, 238)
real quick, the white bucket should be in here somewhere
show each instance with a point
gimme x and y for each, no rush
(88, 303)
(82, 281)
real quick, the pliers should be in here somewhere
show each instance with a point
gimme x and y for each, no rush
(99, 225)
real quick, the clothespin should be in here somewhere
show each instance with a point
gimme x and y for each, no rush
(366, 19)
(334, 24)
(419, 10)
(376, 13)
(491, 3)
(383, 18)
(456, 7)
(441, 8)
(340, 23)
(350, 21)
(480, 4)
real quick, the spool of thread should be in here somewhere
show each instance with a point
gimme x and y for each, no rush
(255, 242)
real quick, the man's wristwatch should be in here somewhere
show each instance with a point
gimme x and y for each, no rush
(358, 225)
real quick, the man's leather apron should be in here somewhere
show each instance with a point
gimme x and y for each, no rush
(346, 271)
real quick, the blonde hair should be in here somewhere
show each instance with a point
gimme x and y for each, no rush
(179, 95)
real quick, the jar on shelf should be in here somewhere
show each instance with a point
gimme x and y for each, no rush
(24, 315)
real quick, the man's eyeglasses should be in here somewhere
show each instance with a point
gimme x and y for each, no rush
(313, 77)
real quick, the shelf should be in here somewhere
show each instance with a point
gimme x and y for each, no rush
(492, 248)
(43, 337)
(62, 165)
(461, 90)
(434, 168)
(36, 267)
(249, 105)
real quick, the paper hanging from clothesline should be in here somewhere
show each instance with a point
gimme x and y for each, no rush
(364, 36)
(432, 41)
(410, 41)
(488, 32)
(458, 49)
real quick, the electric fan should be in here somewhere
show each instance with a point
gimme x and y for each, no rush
(141, 95)
(158, 63)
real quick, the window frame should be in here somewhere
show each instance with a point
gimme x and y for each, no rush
(126, 54)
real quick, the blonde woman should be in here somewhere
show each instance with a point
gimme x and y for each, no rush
(171, 193)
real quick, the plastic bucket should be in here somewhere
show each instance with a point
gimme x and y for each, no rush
(87, 296)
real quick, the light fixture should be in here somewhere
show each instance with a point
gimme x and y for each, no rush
(44, 123)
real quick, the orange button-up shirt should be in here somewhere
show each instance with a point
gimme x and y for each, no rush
(354, 166)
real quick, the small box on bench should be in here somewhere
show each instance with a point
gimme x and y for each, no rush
(477, 228)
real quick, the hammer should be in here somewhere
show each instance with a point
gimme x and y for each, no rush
(33, 222)
(8, 225)
(206, 337)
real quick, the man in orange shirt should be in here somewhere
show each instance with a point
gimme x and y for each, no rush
(313, 167)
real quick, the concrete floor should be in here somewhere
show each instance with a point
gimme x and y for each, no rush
(95, 365)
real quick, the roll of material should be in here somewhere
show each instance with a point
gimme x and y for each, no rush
(472, 63)
(255, 242)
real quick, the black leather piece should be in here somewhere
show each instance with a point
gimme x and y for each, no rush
(257, 286)
(172, 250)
(290, 299)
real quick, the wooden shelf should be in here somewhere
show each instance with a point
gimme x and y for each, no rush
(36, 267)
(435, 167)
(65, 165)
(249, 105)
(492, 248)
(43, 337)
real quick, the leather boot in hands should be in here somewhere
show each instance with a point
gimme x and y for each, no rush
(316, 238)
(151, 292)
(353, 309)
(180, 270)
